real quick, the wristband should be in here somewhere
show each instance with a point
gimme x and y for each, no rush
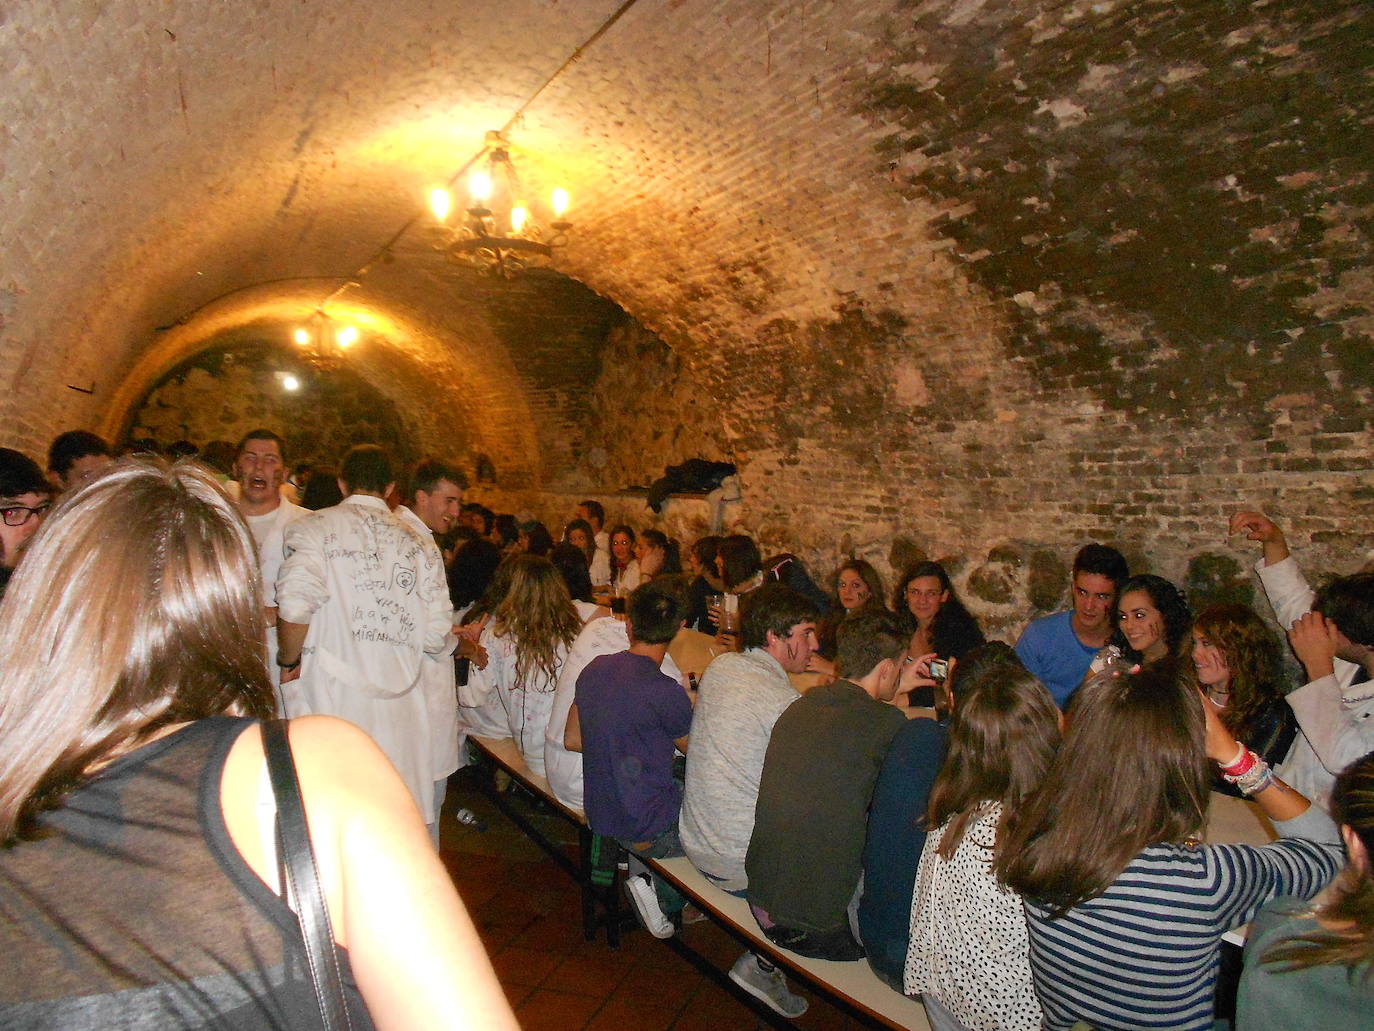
(1240, 754)
(1240, 766)
(287, 667)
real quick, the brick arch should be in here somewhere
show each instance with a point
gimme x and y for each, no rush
(935, 269)
(452, 385)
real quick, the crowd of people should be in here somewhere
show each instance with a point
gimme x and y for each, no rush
(1011, 834)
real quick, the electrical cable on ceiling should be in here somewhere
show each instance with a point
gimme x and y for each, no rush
(573, 58)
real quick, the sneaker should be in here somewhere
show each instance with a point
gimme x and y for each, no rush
(644, 900)
(768, 986)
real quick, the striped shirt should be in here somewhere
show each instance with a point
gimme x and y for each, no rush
(1144, 953)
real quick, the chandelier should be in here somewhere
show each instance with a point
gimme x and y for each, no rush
(499, 236)
(323, 342)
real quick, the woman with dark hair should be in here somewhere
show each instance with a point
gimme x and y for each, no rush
(857, 587)
(739, 564)
(509, 531)
(526, 641)
(1125, 908)
(321, 489)
(934, 615)
(701, 565)
(1237, 662)
(657, 554)
(535, 539)
(573, 568)
(1152, 619)
(969, 957)
(624, 567)
(578, 533)
(1309, 964)
(141, 876)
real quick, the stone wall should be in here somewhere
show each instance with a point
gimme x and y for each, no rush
(942, 277)
(221, 395)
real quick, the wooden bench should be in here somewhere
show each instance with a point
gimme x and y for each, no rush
(601, 905)
(851, 986)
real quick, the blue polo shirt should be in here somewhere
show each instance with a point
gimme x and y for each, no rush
(1052, 651)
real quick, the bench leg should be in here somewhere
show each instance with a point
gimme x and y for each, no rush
(584, 850)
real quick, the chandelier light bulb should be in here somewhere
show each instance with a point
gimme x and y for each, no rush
(290, 382)
(440, 202)
(560, 202)
(347, 336)
(518, 216)
(301, 336)
(479, 185)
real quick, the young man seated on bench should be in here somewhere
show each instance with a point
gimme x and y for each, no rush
(626, 718)
(805, 855)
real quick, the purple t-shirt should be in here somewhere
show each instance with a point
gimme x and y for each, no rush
(630, 712)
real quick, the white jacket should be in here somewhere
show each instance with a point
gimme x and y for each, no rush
(437, 678)
(269, 534)
(1333, 715)
(376, 602)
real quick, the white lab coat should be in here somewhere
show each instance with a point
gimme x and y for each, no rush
(376, 602)
(436, 673)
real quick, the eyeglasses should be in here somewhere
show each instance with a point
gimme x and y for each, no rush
(18, 515)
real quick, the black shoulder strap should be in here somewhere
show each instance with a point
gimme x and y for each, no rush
(302, 877)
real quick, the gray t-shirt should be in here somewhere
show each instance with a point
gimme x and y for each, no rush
(741, 697)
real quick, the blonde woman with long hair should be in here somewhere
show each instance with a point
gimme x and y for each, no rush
(527, 640)
(140, 886)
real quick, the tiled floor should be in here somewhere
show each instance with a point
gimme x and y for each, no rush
(529, 914)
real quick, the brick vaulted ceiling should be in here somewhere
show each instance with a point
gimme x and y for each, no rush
(890, 234)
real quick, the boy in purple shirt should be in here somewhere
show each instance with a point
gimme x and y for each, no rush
(627, 719)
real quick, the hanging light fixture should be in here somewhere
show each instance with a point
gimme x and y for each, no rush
(323, 342)
(499, 235)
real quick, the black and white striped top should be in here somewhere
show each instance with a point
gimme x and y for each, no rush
(1144, 953)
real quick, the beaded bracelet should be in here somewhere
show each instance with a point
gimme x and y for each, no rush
(1250, 774)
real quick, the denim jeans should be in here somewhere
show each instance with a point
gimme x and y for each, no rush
(666, 845)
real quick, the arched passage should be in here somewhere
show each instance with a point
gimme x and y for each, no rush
(949, 272)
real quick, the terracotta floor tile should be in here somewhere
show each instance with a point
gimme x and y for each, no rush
(588, 973)
(546, 1010)
(742, 1019)
(666, 987)
(711, 1000)
(519, 966)
(549, 933)
(626, 1016)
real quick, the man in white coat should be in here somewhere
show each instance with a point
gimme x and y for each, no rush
(436, 491)
(259, 471)
(360, 602)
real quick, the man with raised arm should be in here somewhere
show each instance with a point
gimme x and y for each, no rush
(259, 471)
(1059, 648)
(360, 601)
(1332, 633)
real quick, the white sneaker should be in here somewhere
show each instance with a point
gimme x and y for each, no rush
(644, 900)
(768, 986)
